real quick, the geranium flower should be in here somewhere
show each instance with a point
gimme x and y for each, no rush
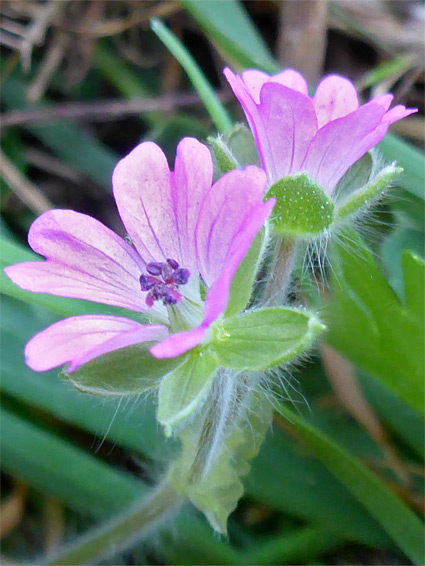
(185, 234)
(321, 135)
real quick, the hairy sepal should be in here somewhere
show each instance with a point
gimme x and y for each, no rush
(369, 193)
(183, 389)
(128, 371)
(217, 447)
(302, 207)
(265, 338)
(234, 150)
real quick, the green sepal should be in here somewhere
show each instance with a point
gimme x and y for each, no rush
(223, 156)
(234, 150)
(214, 458)
(368, 194)
(302, 207)
(264, 338)
(358, 175)
(128, 371)
(243, 280)
(183, 389)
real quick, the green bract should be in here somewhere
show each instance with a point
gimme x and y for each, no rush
(302, 207)
(129, 371)
(264, 338)
(185, 387)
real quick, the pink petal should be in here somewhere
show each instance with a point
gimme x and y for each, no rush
(283, 124)
(85, 260)
(384, 100)
(251, 110)
(288, 126)
(218, 295)
(254, 81)
(143, 193)
(79, 339)
(192, 179)
(179, 343)
(335, 97)
(341, 143)
(223, 212)
(291, 79)
(397, 113)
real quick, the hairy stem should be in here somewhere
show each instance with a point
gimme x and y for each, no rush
(122, 532)
(280, 271)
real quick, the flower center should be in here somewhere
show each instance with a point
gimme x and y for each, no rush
(162, 281)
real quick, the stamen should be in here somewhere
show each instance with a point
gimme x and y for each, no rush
(172, 263)
(162, 282)
(181, 276)
(154, 268)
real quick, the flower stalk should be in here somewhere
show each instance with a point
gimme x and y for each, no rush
(122, 532)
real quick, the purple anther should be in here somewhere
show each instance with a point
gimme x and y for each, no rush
(154, 268)
(146, 282)
(172, 263)
(181, 276)
(167, 273)
(169, 300)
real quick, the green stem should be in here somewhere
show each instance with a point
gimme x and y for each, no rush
(122, 532)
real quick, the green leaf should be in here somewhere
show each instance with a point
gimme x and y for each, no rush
(414, 284)
(217, 446)
(230, 28)
(369, 324)
(264, 338)
(184, 388)
(128, 371)
(393, 515)
(368, 194)
(243, 280)
(213, 105)
(302, 207)
(411, 159)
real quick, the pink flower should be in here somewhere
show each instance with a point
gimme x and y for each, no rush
(185, 234)
(321, 135)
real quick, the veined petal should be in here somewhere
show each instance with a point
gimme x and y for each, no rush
(289, 124)
(335, 97)
(143, 193)
(255, 122)
(341, 143)
(254, 81)
(291, 79)
(218, 295)
(85, 260)
(223, 212)
(191, 180)
(80, 339)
